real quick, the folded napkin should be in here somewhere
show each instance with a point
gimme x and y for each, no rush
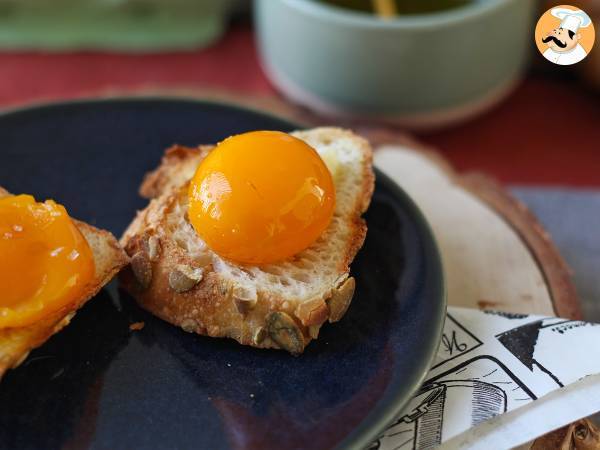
(490, 364)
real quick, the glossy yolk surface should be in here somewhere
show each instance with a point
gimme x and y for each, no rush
(261, 197)
(45, 262)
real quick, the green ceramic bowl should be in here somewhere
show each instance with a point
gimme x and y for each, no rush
(421, 71)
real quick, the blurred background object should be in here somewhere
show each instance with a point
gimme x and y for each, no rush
(433, 64)
(131, 25)
(518, 141)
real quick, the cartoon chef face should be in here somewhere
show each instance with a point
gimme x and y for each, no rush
(561, 39)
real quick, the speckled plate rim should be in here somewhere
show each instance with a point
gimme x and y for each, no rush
(390, 407)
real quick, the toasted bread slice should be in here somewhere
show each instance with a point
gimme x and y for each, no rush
(175, 276)
(109, 258)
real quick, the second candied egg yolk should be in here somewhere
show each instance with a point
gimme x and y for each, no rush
(45, 262)
(261, 197)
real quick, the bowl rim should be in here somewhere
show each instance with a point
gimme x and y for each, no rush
(341, 16)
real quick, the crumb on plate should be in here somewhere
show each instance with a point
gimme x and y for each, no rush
(136, 326)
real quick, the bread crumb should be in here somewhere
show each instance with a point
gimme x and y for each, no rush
(136, 326)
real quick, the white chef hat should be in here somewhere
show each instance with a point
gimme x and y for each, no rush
(571, 19)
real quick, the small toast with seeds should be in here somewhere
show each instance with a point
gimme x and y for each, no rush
(175, 275)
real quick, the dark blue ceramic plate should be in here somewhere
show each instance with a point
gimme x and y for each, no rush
(99, 385)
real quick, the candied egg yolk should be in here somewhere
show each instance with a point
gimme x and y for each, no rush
(261, 197)
(45, 262)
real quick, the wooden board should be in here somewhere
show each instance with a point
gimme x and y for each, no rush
(496, 254)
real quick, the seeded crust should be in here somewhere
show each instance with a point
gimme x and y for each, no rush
(176, 277)
(109, 258)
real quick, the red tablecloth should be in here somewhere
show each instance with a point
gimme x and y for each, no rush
(547, 132)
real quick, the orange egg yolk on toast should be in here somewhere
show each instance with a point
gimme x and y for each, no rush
(261, 197)
(45, 262)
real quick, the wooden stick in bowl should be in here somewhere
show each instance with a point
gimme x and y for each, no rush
(385, 8)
